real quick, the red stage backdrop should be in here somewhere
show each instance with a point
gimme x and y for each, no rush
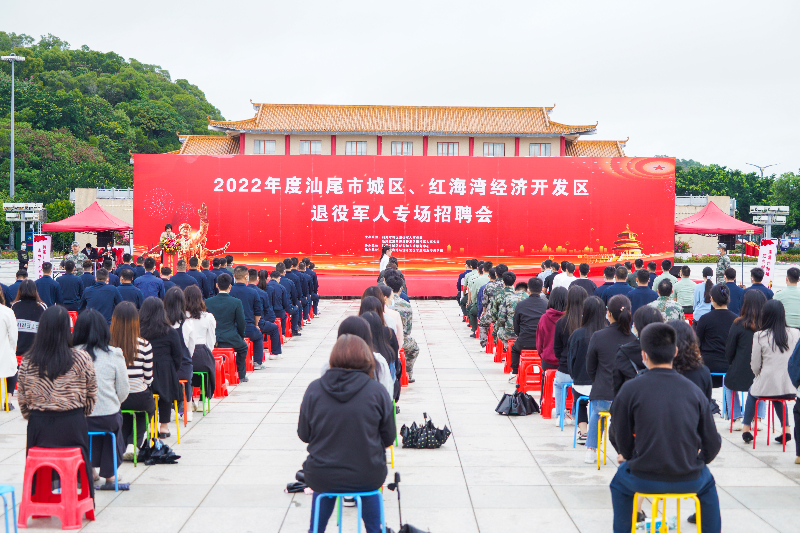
(434, 211)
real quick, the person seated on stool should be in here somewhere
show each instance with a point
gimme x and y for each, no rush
(665, 435)
(228, 312)
(347, 421)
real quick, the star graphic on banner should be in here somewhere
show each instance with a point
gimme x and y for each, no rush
(658, 167)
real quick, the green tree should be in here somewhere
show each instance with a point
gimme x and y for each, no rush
(786, 191)
(714, 180)
(59, 210)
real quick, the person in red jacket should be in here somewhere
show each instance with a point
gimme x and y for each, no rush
(546, 332)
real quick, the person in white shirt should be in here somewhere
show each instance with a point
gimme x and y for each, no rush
(8, 353)
(175, 307)
(386, 253)
(566, 278)
(390, 314)
(204, 329)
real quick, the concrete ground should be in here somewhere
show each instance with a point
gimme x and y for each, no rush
(494, 474)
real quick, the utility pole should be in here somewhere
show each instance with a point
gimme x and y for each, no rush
(12, 58)
(761, 168)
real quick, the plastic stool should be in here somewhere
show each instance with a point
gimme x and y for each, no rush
(526, 357)
(575, 406)
(490, 339)
(498, 351)
(357, 496)
(220, 387)
(149, 431)
(604, 435)
(113, 452)
(4, 394)
(563, 406)
(8, 489)
(73, 317)
(177, 418)
(288, 333)
(663, 498)
(204, 379)
(183, 383)
(69, 506)
(249, 362)
(755, 424)
(403, 373)
(507, 366)
(689, 319)
(229, 358)
(548, 401)
(280, 329)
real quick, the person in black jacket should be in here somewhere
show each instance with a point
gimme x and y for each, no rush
(128, 291)
(565, 327)
(526, 321)
(594, 319)
(601, 356)
(712, 332)
(739, 349)
(665, 435)
(588, 285)
(49, 289)
(608, 275)
(347, 421)
(688, 362)
(628, 363)
(71, 287)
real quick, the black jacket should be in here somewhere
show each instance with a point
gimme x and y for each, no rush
(712, 333)
(601, 356)
(738, 351)
(578, 344)
(628, 355)
(346, 419)
(660, 439)
(71, 290)
(701, 377)
(561, 345)
(526, 320)
(587, 284)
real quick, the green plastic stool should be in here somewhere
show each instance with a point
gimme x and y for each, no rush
(204, 378)
(147, 425)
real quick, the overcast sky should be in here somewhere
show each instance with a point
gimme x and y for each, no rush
(712, 81)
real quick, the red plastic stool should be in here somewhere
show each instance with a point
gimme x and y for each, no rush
(249, 362)
(507, 366)
(73, 317)
(186, 406)
(532, 379)
(311, 312)
(548, 400)
(498, 352)
(403, 374)
(689, 318)
(68, 506)
(527, 357)
(220, 387)
(288, 333)
(280, 329)
(769, 433)
(490, 340)
(229, 355)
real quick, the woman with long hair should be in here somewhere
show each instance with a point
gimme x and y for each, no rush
(175, 308)
(738, 352)
(91, 334)
(702, 294)
(688, 362)
(360, 327)
(546, 330)
(773, 345)
(8, 351)
(712, 332)
(392, 322)
(628, 363)
(57, 389)
(592, 320)
(372, 303)
(569, 322)
(386, 253)
(204, 328)
(601, 355)
(167, 348)
(346, 418)
(138, 355)
(28, 309)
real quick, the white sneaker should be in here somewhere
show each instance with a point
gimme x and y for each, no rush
(737, 426)
(188, 416)
(194, 406)
(272, 356)
(590, 457)
(558, 421)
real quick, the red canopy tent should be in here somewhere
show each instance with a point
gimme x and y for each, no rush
(92, 219)
(711, 220)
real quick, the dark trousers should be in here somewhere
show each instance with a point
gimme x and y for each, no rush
(165, 410)
(137, 401)
(463, 304)
(11, 383)
(256, 337)
(306, 301)
(472, 314)
(625, 485)
(295, 319)
(271, 330)
(315, 302)
(282, 315)
(370, 513)
(688, 309)
(102, 447)
(61, 429)
(241, 359)
(515, 354)
(796, 412)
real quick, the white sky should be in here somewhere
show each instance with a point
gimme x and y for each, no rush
(712, 81)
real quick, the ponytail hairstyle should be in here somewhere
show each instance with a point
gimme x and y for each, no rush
(385, 248)
(707, 272)
(620, 308)
(721, 294)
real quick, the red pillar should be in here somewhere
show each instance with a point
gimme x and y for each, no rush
(563, 150)
(286, 150)
(333, 144)
(516, 146)
(425, 145)
(241, 144)
(380, 144)
(472, 146)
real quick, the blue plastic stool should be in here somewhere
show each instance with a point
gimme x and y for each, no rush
(724, 396)
(563, 407)
(575, 405)
(357, 496)
(113, 450)
(8, 489)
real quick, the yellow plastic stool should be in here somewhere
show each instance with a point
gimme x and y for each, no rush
(663, 498)
(4, 386)
(391, 450)
(177, 421)
(604, 435)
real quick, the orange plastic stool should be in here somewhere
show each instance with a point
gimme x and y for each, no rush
(548, 400)
(490, 340)
(249, 365)
(68, 506)
(73, 317)
(280, 330)
(220, 387)
(507, 366)
(183, 383)
(403, 374)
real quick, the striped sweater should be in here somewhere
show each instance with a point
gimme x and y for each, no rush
(77, 389)
(140, 373)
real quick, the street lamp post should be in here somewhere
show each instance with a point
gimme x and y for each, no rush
(13, 58)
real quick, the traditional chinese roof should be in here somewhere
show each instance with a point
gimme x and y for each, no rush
(401, 120)
(208, 145)
(592, 148)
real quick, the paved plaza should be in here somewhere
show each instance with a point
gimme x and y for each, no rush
(494, 474)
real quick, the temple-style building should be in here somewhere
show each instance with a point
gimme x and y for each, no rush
(299, 129)
(627, 246)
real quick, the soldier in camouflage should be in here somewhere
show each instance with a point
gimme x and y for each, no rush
(670, 308)
(723, 263)
(505, 313)
(492, 288)
(406, 315)
(77, 257)
(497, 301)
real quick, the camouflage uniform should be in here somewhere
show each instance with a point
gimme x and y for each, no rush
(723, 264)
(494, 306)
(491, 288)
(409, 344)
(670, 309)
(78, 258)
(505, 316)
